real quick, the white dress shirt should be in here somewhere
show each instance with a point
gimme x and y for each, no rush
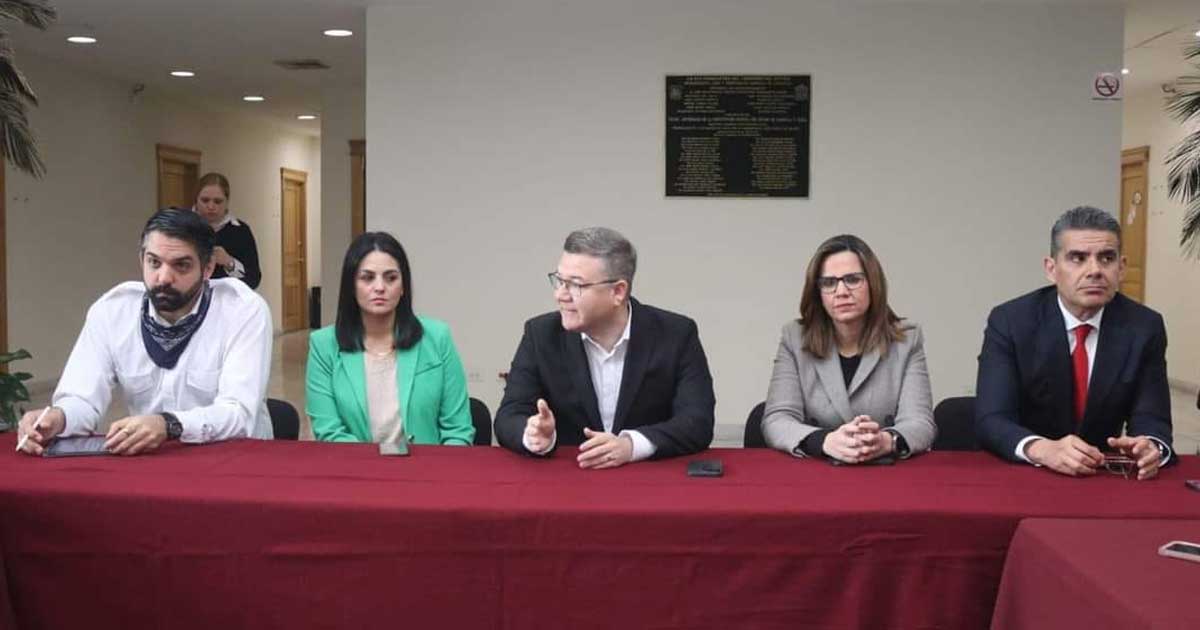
(1089, 344)
(217, 389)
(607, 367)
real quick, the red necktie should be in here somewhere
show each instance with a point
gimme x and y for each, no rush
(1080, 359)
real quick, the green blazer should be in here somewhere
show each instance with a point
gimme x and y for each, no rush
(429, 378)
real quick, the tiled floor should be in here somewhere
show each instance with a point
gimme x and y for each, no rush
(291, 354)
(288, 359)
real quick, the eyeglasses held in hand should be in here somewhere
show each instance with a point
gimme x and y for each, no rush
(1120, 465)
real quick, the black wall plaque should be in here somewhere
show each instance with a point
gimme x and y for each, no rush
(738, 135)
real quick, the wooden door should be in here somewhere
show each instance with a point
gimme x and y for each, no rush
(295, 271)
(178, 172)
(1134, 210)
(3, 269)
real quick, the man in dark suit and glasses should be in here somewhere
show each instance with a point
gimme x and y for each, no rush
(622, 380)
(1076, 367)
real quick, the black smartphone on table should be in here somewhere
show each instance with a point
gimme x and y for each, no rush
(705, 468)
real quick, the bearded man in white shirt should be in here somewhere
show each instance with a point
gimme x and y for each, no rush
(191, 355)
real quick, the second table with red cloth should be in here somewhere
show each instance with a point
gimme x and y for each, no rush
(312, 535)
(1097, 574)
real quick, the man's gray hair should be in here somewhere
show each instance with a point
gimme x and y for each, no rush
(618, 254)
(1083, 218)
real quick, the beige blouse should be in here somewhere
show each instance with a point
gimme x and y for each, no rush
(383, 397)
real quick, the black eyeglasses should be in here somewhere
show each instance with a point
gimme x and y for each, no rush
(852, 281)
(574, 288)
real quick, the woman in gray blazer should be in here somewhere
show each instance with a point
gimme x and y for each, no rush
(850, 381)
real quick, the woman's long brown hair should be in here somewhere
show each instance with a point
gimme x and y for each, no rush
(881, 326)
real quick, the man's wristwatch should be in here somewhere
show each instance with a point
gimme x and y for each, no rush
(174, 426)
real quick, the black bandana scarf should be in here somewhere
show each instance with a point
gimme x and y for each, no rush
(165, 344)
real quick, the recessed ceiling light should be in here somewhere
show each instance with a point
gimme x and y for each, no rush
(306, 117)
(1197, 33)
(253, 98)
(81, 39)
(1124, 70)
(182, 73)
(338, 32)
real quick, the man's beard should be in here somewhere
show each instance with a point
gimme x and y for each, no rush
(167, 299)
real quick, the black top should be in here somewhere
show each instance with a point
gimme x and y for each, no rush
(238, 241)
(849, 367)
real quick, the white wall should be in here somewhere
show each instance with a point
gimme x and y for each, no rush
(74, 234)
(949, 136)
(343, 118)
(1171, 278)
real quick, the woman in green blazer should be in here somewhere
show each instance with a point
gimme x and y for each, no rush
(380, 370)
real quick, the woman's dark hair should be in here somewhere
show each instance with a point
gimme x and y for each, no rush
(184, 225)
(881, 326)
(407, 330)
(213, 179)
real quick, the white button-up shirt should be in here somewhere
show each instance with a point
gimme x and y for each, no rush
(1093, 337)
(217, 389)
(607, 369)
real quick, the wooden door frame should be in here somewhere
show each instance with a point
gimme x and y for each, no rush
(164, 152)
(3, 264)
(1134, 157)
(358, 188)
(300, 177)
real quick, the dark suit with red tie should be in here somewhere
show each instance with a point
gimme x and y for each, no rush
(1026, 379)
(666, 389)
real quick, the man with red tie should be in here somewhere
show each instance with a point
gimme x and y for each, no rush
(1075, 368)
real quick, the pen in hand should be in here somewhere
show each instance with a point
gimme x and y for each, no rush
(36, 425)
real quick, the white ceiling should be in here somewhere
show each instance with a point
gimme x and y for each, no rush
(1156, 33)
(230, 44)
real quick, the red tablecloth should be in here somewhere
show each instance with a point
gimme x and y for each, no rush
(1067, 573)
(309, 535)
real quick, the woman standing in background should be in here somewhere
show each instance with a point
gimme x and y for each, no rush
(236, 252)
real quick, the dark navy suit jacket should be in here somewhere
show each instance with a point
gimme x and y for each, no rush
(1025, 384)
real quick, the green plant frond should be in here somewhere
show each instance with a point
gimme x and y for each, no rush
(11, 78)
(16, 139)
(1183, 169)
(1191, 51)
(22, 376)
(15, 355)
(1189, 238)
(36, 13)
(1185, 102)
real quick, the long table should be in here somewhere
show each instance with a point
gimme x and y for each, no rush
(1066, 573)
(310, 535)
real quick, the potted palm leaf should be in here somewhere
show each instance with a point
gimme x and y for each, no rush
(16, 139)
(1183, 161)
(19, 149)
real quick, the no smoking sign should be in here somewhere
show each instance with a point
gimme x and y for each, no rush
(1107, 87)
